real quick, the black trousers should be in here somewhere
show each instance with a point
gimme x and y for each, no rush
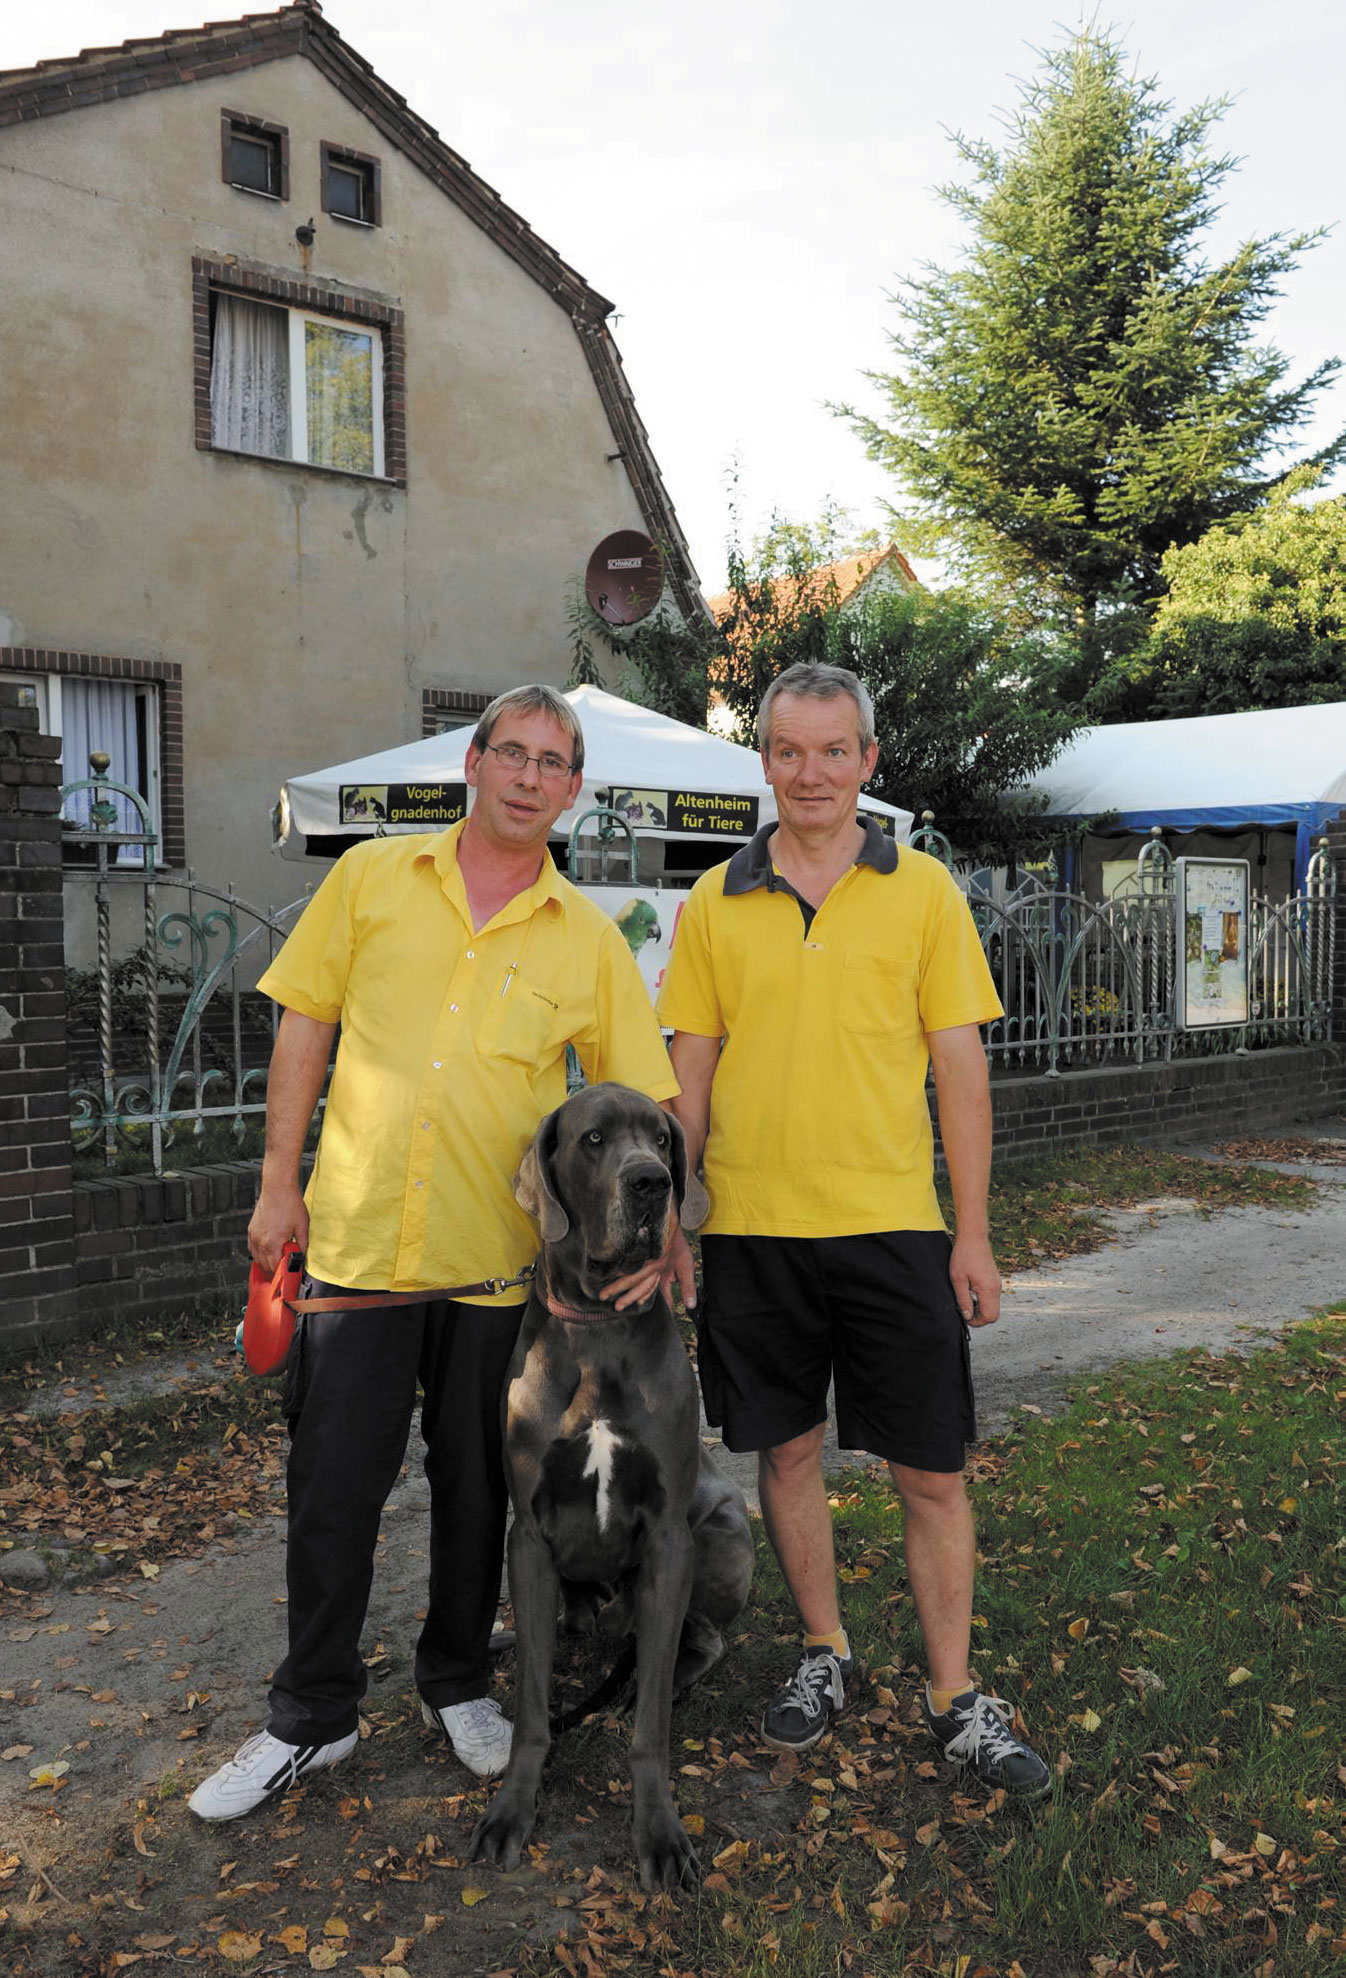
(350, 1393)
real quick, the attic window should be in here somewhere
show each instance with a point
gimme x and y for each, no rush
(255, 156)
(351, 185)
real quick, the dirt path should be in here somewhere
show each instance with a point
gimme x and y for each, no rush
(136, 1687)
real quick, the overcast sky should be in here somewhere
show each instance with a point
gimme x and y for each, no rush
(745, 179)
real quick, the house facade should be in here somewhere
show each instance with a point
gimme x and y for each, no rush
(306, 434)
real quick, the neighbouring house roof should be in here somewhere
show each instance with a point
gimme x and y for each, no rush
(185, 55)
(849, 575)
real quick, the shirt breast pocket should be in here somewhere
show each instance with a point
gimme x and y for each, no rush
(878, 995)
(522, 1023)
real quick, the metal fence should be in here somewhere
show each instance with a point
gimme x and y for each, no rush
(178, 1037)
(1085, 983)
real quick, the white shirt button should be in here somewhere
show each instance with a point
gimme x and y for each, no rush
(453, 1009)
(471, 954)
(418, 1184)
(438, 1064)
(425, 1125)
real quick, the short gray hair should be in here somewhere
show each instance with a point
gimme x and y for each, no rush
(819, 683)
(534, 699)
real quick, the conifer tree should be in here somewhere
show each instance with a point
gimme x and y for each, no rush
(1086, 388)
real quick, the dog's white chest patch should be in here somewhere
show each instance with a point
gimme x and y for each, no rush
(603, 1447)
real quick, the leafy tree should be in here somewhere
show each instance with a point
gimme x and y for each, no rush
(1254, 615)
(1085, 389)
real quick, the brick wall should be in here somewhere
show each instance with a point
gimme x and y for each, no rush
(37, 1255)
(150, 1247)
(1191, 1099)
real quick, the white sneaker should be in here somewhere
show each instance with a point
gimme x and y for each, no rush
(480, 1735)
(261, 1769)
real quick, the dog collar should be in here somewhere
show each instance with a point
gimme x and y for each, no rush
(574, 1316)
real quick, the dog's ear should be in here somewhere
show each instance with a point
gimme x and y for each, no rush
(533, 1187)
(693, 1201)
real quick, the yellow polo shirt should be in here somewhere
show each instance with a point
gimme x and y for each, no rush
(819, 1124)
(452, 1049)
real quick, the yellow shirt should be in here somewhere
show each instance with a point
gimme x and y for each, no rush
(452, 1049)
(819, 1124)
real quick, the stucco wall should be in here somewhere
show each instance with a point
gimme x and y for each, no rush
(307, 609)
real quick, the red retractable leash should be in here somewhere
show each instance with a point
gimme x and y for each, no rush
(274, 1302)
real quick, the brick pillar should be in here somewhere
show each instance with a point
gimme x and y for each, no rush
(37, 1244)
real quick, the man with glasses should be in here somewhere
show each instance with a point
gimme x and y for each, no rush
(814, 980)
(458, 966)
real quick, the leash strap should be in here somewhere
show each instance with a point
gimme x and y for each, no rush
(357, 1301)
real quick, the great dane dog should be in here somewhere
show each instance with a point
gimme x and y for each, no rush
(617, 1506)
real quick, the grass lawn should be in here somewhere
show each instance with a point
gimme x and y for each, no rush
(1162, 1590)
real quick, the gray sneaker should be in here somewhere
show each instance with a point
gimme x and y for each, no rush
(975, 1732)
(798, 1715)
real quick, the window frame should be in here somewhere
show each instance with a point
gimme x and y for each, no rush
(350, 309)
(443, 708)
(276, 135)
(158, 688)
(371, 169)
(298, 319)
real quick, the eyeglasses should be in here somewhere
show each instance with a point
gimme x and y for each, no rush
(549, 764)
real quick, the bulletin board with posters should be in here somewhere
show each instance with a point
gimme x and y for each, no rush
(1212, 942)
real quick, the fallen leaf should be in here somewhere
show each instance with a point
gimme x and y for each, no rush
(929, 1834)
(1078, 1629)
(888, 1912)
(334, 1927)
(1265, 1845)
(1237, 1676)
(18, 1751)
(239, 1947)
(324, 1957)
(294, 1937)
(1088, 1720)
(732, 1857)
(402, 1947)
(149, 1569)
(471, 1897)
(47, 1775)
(695, 1825)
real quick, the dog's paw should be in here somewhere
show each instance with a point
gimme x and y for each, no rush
(501, 1833)
(665, 1856)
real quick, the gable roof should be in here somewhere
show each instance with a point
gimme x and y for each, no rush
(185, 55)
(848, 575)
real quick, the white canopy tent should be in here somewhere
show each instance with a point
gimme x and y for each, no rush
(1278, 769)
(670, 780)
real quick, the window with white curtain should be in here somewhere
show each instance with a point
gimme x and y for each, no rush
(291, 385)
(119, 717)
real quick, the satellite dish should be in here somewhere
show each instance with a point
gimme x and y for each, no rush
(625, 577)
